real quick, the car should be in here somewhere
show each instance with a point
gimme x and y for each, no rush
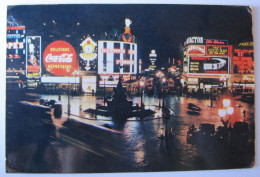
(44, 102)
(240, 128)
(52, 102)
(207, 129)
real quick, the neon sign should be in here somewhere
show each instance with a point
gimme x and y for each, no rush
(246, 44)
(127, 35)
(15, 45)
(88, 54)
(216, 41)
(106, 50)
(13, 25)
(14, 36)
(217, 50)
(196, 50)
(208, 65)
(194, 40)
(60, 59)
(124, 62)
(33, 56)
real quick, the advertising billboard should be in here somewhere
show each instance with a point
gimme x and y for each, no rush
(196, 50)
(60, 59)
(15, 39)
(208, 64)
(115, 57)
(89, 84)
(243, 61)
(88, 54)
(218, 50)
(33, 56)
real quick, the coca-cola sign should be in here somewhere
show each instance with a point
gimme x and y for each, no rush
(60, 59)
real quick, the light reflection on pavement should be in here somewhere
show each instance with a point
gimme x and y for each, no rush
(140, 147)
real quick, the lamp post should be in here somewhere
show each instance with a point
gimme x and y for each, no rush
(226, 110)
(68, 99)
(159, 74)
(163, 82)
(104, 92)
(141, 85)
(222, 114)
(224, 79)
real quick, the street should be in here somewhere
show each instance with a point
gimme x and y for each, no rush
(84, 143)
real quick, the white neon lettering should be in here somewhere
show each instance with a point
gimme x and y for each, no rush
(63, 58)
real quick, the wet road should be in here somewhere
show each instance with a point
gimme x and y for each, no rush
(80, 143)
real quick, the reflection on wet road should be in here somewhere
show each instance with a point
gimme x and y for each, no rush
(85, 143)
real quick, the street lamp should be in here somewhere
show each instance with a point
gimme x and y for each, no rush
(224, 79)
(163, 82)
(104, 92)
(226, 110)
(226, 102)
(222, 113)
(141, 85)
(68, 99)
(230, 110)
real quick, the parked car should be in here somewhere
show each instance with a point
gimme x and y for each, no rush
(44, 102)
(52, 103)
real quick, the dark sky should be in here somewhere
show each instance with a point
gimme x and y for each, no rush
(160, 27)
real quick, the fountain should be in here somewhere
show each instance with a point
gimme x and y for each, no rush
(120, 107)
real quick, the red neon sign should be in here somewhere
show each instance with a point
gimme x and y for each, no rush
(124, 62)
(15, 27)
(60, 59)
(105, 50)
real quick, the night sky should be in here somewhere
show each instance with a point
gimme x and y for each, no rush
(160, 27)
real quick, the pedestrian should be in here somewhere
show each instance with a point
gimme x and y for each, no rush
(80, 108)
(244, 112)
(59, 97)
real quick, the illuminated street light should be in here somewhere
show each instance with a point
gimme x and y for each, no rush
(230, 110)
(226, 102)
(222, 113)
(163, 82)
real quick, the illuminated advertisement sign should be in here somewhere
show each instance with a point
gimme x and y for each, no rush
(15, 27)
(88, 52)
(196, 50)
(204, 64)
(60, 59)
(14, 36)
(117, 57)
(217, 50)
(89, 84)
(246, 44)
(194, 40)
(127, 35)
(216, 42)
(33, 56)
(15, 45)
(15, 39)
(243, 61)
